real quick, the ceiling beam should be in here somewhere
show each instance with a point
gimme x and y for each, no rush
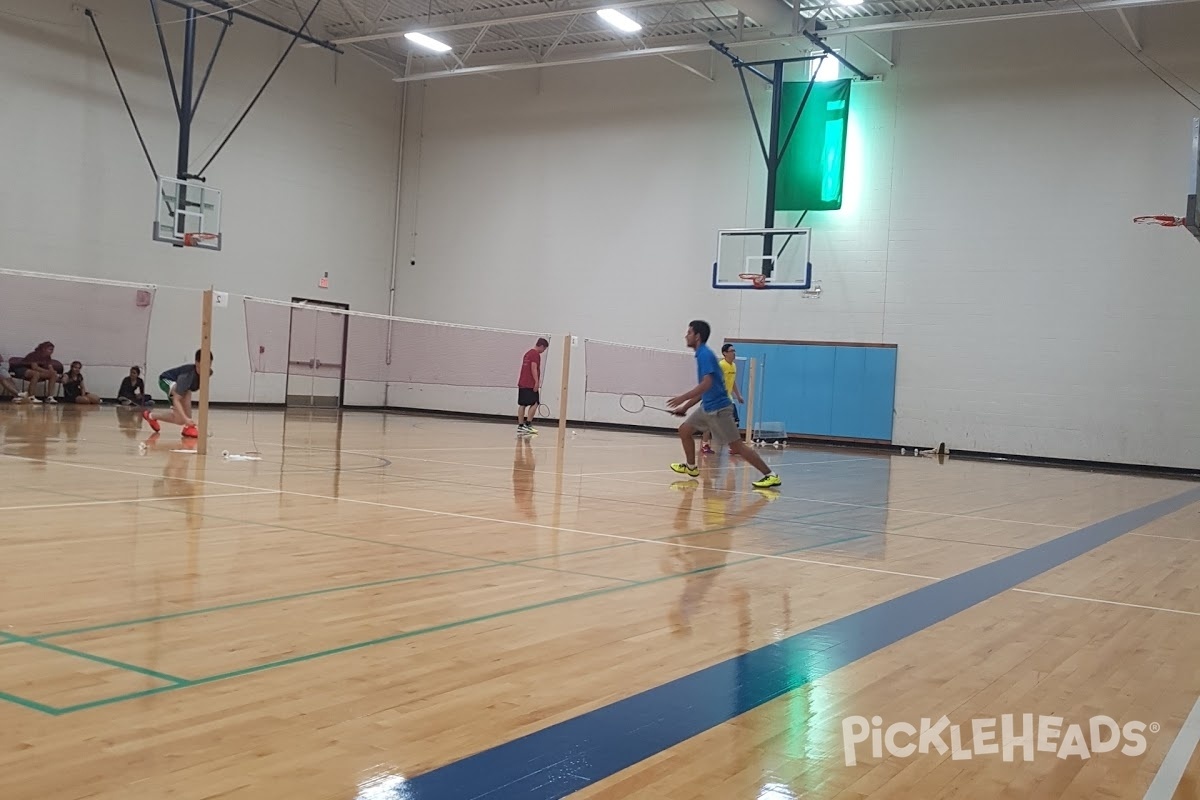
(270, 23)
(994, 15)
(591, 58)
(518, 19)
(1129, 29)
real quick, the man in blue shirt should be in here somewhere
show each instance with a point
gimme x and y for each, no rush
(715, 415)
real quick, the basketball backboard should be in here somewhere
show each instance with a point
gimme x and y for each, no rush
(189, 214)
(779, 255)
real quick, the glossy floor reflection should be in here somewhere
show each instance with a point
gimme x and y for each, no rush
(384, 605)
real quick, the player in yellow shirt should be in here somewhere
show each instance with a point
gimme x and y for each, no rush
(728, 364)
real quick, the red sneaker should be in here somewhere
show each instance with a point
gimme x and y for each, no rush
(154, 426)
(191, 432)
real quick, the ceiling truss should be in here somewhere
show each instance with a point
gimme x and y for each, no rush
(494, 36)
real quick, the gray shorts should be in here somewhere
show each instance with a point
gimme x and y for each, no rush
(720, 425)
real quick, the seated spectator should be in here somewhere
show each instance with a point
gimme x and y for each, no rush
(73, 388)
(133, 389)
(36, 367)
(7, 382)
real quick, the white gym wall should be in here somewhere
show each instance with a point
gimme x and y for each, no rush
(308, 180)
(991, 181)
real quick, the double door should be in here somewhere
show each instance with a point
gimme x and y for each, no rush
(317, 354)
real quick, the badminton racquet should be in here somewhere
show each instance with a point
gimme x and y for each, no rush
(543, 411)
(634, 403)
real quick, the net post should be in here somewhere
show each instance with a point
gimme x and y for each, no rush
(750, 400)
(205, 364)
(566, 381)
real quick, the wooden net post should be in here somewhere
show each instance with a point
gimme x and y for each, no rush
(566, 381)
(206, 312)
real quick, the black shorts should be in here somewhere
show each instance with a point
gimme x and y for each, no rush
(528, 397)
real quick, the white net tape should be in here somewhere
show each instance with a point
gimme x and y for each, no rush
(96, 322)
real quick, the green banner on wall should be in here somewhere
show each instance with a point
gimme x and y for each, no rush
(813, 166)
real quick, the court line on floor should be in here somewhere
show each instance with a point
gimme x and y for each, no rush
(811, 500)
(773, 466)
(509, 468)
(329, 534)
(67, 651)
(84, 503)
(1109, 602)
(1169, 538)
(476, 518)
(623, 504)
(579, 752)
(1174, 764)
(546, 446)
(195, 612)
(305, 657)
(754, 556)
(32, 705)
(391, 478)
(489, 564)
(893, 508)
(523, 562)
(395, 545)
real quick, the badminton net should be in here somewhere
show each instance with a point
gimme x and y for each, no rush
(283, 338)
(620, 369)
(96, 322)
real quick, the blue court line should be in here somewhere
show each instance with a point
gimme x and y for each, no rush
(566, 757)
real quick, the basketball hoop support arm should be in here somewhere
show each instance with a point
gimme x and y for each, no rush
(185, 106)
(772, 151)
(237, 11)
(186, 97)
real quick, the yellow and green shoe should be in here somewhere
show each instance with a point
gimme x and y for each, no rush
(767, 481)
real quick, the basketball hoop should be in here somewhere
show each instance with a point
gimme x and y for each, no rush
(758, 279)
(1162, 220)
(193, 239)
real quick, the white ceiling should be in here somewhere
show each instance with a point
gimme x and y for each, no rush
(501, 35)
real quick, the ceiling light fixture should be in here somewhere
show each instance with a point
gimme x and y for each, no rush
(428, 42)
(618, 20)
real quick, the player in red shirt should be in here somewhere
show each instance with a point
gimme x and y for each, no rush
(529, 386)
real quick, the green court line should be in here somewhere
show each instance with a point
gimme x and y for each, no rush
(527, 564)
(276, 526)
(859, 534)
(406, 635)
(487, 561)
(383, 640)
(524, 562)
(128, 623)
(162, 676)
(30, 704)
